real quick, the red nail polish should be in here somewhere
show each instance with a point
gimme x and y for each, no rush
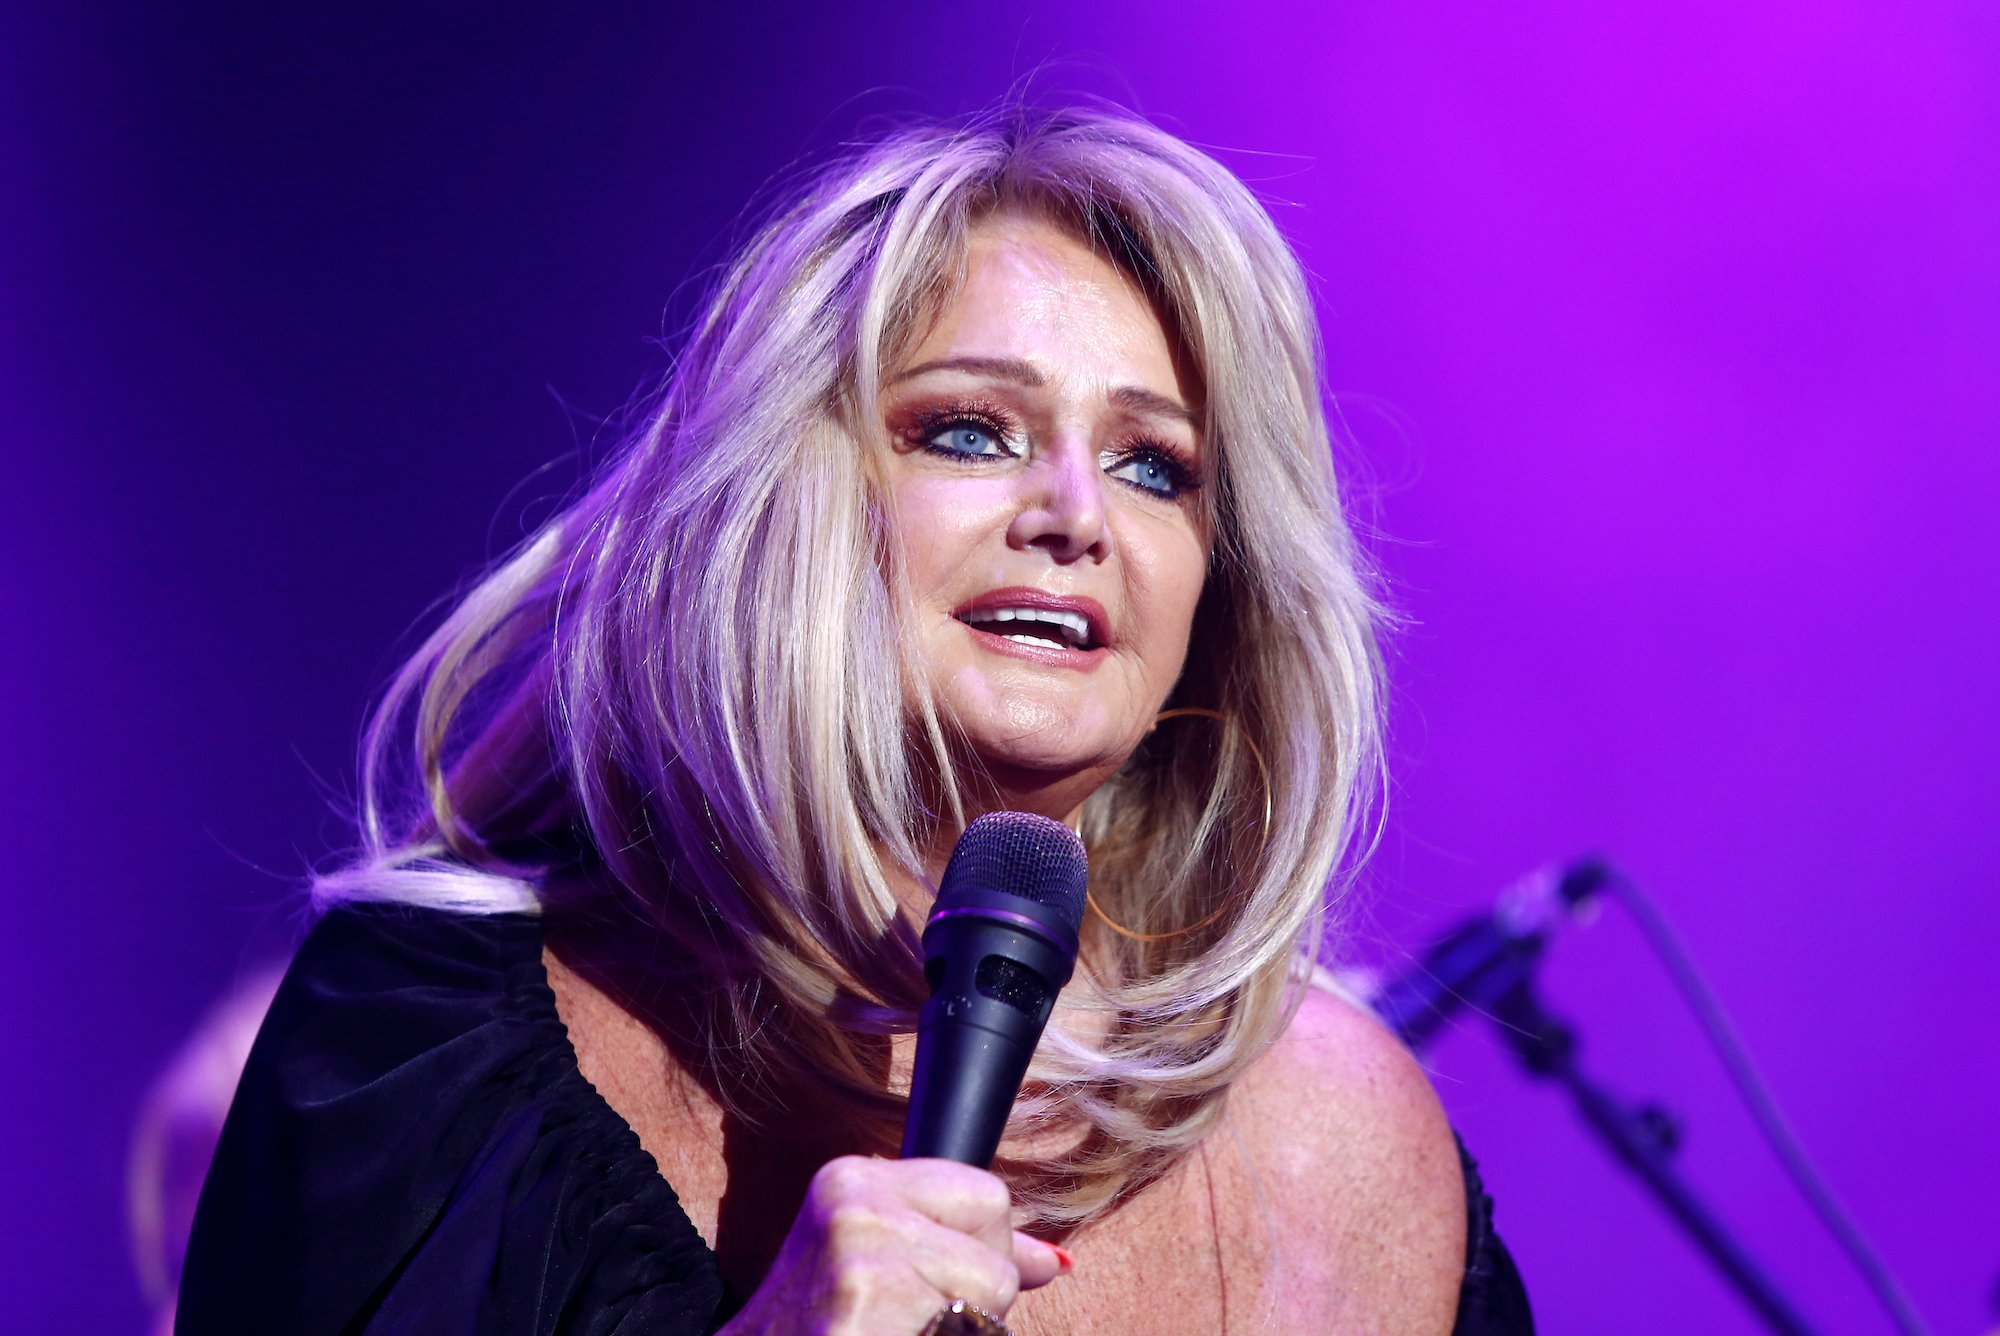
(1064, 1260)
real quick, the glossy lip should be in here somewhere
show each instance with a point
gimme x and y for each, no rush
(1021, 596)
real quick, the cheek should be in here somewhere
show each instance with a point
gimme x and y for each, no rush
(1167, 576)
(945, 528)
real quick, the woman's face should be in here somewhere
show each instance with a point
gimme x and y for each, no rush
(1045, 463)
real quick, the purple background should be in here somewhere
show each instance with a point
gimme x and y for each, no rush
(1670, 342)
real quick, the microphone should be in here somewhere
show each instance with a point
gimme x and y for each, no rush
(1484, 958)
(999, 946)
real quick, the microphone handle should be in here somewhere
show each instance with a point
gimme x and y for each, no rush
(995, 986)
(953, 1112)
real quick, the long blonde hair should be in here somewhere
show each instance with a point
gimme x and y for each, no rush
(681, 680)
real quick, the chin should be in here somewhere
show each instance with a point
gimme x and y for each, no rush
(1024, 734)
(1047, 768)
(1038, 765)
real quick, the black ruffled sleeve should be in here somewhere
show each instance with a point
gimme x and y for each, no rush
(1492, 1301)
(412, 1149)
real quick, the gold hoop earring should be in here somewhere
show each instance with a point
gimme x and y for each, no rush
(1201, 712)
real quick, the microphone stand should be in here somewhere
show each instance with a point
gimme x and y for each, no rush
(1644, 1139)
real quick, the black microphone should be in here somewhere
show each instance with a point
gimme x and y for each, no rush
(1486, 957)
(1000, 944)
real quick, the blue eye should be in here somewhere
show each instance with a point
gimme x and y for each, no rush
(1152, 471)
(968, 438)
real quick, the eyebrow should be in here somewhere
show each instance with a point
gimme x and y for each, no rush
(1000, 368)
(1022, 372)
(1146, 401)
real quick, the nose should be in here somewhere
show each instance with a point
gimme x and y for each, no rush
(1062, 505)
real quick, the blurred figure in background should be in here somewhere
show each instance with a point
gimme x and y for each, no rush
(174, 1138)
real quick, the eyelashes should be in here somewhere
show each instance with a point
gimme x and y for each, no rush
(952, 430)
(970, 431)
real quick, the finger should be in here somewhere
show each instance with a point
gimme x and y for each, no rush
(958, 1266)
(1038, 1262)
(958, 1197)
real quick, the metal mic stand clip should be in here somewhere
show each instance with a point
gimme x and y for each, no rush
(1644, 1138)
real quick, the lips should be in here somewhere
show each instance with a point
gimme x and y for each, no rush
(1036, 620)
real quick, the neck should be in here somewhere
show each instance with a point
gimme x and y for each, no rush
(1057, 795)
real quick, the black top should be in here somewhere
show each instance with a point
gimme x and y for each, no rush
(413, 1149)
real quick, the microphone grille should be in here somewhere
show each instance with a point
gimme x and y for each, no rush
(1020, 854)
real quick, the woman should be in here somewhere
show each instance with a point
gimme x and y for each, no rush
(995, 477)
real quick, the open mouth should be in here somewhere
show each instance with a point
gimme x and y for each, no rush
(1048, 628)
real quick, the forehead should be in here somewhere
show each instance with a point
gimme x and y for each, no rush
(1032, 289)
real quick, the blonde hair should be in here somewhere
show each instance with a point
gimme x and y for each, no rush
(684, 675)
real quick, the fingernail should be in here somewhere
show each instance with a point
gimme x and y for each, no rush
(1064, 1261)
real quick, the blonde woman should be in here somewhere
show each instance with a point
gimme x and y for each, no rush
(995, 477)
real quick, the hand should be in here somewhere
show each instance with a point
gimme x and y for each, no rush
(881, 1245)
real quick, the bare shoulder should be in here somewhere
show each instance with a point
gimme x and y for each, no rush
(1355, 1160)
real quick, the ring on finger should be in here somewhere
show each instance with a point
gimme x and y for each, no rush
(959, 1318)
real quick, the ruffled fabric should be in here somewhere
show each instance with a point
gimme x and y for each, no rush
(413, 1149)
(1492, 1300)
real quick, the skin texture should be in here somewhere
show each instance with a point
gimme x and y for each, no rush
(1329, 1200)
(1055, 363)
(1038, 435)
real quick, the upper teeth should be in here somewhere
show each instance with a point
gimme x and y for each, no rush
(1075, 626)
